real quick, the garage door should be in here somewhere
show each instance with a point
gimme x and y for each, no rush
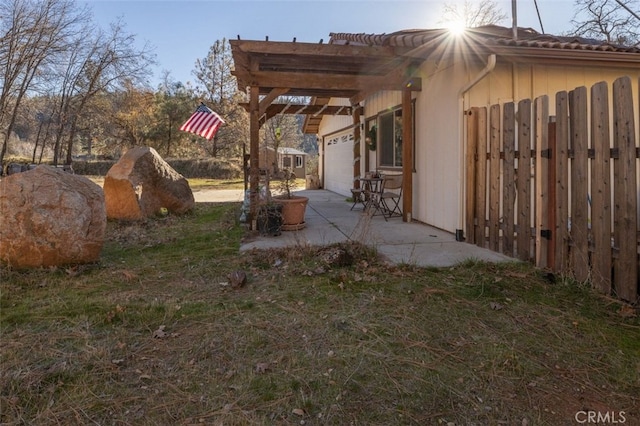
(338, 168)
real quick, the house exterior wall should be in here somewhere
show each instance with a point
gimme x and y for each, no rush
(438, 193)
(436, 185)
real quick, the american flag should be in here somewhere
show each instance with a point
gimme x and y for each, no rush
(203, 122)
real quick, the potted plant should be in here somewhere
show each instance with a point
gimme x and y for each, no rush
(293, 206)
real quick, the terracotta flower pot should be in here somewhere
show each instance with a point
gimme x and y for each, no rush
(293, 210)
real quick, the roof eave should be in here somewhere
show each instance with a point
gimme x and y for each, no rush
(566, 57)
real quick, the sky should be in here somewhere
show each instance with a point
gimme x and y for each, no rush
(181, 31)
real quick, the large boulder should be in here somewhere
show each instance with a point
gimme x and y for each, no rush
(49, 218)
(141, 183)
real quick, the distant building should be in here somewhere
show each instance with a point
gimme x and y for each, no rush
(287, 158)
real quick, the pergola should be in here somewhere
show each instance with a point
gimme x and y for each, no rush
(267, 70)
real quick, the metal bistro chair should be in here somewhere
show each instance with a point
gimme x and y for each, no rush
(391, 195)
(358, 196)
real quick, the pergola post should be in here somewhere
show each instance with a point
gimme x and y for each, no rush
(356, 146)
(254, 146)
(407, 155)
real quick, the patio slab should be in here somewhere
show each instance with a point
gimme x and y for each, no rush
(330, 220)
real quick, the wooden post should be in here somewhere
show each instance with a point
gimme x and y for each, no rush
(407, 155)
(254, 146)
(357, 136)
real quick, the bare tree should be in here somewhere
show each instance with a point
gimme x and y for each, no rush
(32, 33)
(472, 14)
(613, 21)
(217, 87)
(50, 47)
(110, 62)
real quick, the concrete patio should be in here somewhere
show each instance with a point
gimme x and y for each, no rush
(330, 220)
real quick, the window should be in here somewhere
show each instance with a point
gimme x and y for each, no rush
(286, 162)
(299, 161)
(390, 138)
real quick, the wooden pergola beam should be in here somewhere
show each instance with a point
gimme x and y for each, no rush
(337, 82)
(313, 49)
(314, 110)
(322, 71)
(266, 101)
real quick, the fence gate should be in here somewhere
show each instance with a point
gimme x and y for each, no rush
(562, 191)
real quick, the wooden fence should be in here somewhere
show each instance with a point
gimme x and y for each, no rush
(561, 191)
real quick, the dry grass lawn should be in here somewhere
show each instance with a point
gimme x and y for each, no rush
(155, 334)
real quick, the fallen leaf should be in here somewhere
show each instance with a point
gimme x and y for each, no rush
(237, 279)
(298, 412)
(160, 333)
(496, 306)
(128, 275)
(517, 275)
(627, 311)
(262, 367)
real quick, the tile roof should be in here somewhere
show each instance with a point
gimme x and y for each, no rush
(490, 35)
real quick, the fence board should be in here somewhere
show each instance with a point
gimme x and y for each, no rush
(575, 201)
(562, 181)
(481, 176)
(579, 228)
(524, 179)
(509, 178)
(600, 189)
(494, 178)
(472, 136)
(625, 210)
(551, 199)
(541, 138)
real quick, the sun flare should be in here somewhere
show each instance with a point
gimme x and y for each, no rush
(456, 28)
